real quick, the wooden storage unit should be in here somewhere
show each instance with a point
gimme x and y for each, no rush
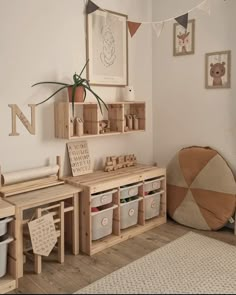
(90, 115)
(9, 281)
(100, 181)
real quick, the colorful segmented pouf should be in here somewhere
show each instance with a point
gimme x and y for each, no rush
(200, 189)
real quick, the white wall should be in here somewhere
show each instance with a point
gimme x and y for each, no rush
(45, 40)
(185, 113)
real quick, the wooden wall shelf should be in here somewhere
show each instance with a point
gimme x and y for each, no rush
(89, 113)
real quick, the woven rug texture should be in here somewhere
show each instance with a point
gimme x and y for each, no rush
(192, 264)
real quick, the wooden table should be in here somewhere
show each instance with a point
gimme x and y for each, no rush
(38, 198)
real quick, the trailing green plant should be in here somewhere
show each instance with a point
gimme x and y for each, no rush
(77, 81)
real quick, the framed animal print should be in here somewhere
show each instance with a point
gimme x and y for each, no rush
(218, 69)
(184, 39)
(107, 48)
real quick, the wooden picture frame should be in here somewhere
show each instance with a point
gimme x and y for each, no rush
(218, 69)
(184, 40)
(107, 48)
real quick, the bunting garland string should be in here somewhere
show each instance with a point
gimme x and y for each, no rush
(157, 25)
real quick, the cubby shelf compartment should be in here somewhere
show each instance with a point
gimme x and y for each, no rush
(89, 113)
(100, 181)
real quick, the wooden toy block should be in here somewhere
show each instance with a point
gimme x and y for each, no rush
(113, 163)
(104, 126)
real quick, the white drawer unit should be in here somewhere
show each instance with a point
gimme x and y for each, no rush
(3, 225)
(3, 254)
(152, 184)
(152, 205)
(102, 198)
(129, 190)
(8, 242)
(102, 223)
(129, 213)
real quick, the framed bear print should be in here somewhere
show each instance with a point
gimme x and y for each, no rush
(107, 48)
(218, 70)
(184, 39)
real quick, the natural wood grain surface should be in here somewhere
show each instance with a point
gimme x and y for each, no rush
(100, 180)
(79, 271)
(6, 209)
(42, 196)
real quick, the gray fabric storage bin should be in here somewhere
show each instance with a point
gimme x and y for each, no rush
(129, 213)
(152, 205)
(129, 190)
(102, 223)
(3, 225)
(3, 255)
(152, 184)
(102, 198)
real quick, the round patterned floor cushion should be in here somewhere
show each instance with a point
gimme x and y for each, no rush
(200, 189)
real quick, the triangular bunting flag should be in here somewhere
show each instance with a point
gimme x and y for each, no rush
(183, 20)
(91, 7)
(158, 27)
(133, 27)
(205, 6)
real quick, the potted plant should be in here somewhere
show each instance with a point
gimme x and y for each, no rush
(77, 89)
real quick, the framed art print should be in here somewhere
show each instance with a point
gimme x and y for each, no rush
(218, 68)
(107, 48)
(184, 39)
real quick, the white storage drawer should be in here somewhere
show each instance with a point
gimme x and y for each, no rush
(102, 223)
(3, 225)
(152, 205)
(129, 190)
(129, 213)
(3, 255)
(102, 198)
(152, 184)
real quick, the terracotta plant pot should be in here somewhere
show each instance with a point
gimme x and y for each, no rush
(79, 94)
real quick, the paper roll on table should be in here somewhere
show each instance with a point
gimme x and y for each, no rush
(29, 174)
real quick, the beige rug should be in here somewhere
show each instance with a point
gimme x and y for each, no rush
(192, 264)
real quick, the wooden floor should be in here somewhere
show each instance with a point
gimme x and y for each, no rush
(79, 271)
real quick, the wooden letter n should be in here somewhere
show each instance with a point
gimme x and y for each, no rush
(15, 111)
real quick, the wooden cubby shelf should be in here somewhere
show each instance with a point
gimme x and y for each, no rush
(123, 117)
(134, 201)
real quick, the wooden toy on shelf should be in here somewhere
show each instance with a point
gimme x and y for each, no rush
(129, 123)
(120, 162)
(135, 122)
(132, 122)
(104, 126)
(113, 163)
(79, 127)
